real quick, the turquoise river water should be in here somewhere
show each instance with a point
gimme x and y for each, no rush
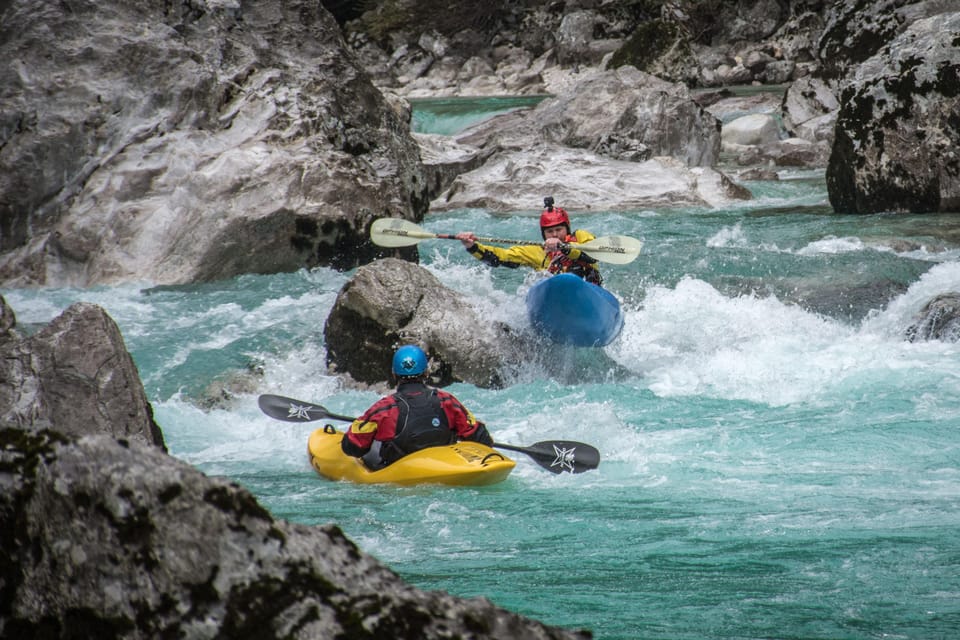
(777, 460)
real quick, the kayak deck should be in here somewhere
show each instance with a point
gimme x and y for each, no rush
(461, 464)
(569, 310)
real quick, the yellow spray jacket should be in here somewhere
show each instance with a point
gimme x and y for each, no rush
(533, 255)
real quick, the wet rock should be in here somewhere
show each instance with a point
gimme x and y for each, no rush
(75, 376)
(392, 302)
(103, 539)
(938, 320)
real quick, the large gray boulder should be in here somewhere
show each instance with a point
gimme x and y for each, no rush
(103, 539)
(74, 375)
(809, 109)
(897, 137)
(616, 113)
(391, 302)
(191, 141)
(583, 181)
(620, 139)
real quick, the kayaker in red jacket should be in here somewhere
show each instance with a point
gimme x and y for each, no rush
(557, 254)
(415, 417)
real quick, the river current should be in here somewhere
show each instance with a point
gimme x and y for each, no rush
(778, 461)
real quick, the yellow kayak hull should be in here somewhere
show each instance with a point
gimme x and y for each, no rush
(461, 464)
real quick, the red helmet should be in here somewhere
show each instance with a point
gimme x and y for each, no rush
(552, 217)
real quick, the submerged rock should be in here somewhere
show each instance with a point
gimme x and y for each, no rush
(938, 320)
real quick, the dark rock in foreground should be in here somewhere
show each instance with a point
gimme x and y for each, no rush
(105, 538)
(104, 535)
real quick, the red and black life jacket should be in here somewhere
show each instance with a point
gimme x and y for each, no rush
(421, 423)
(561, 263)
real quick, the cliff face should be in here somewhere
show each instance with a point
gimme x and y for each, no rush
(190, 141)
(194, 141)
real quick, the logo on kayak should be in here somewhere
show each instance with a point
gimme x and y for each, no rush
(299, 411)
(565, 458)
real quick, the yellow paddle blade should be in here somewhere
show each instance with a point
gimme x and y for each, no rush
(612, 249)
(397, 232)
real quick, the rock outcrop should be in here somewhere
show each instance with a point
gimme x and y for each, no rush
(391, 302)
(897, 134)
(502, 47)
(617, 140)
(219, 138)
(820, 50)
(108, 539)
(188, 142)
(74, 375)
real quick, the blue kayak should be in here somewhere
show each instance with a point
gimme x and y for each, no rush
(569, 310)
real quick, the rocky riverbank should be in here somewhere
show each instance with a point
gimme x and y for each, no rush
(243, 137)
(104, 535)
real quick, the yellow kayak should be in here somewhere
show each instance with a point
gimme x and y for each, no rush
(461, 464)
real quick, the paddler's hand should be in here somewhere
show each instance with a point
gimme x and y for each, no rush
(467, 238)
(552, 245)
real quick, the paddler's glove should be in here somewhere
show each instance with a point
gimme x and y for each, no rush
(481, 435)
(571, 252)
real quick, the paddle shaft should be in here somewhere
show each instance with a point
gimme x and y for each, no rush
(426, 235)
(555, 456)
(397, 232)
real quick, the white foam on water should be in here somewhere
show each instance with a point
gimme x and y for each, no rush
(691, 340)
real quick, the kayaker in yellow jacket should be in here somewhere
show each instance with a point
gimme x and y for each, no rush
(557, 254)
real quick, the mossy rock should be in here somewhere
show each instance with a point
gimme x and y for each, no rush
(646, 45)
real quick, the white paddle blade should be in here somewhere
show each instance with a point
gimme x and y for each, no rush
(397, 232)
(613, 249)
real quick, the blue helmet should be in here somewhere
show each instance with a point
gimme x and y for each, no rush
(409, 360)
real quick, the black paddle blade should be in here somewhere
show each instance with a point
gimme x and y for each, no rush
(290, 410)
(559, 456)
